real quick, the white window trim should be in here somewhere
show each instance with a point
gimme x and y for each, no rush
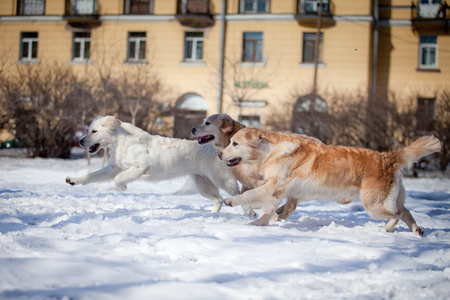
(82, 41)
(255, 7)
(194, 40)
(29, 41)
(135, 56)
(422, 46)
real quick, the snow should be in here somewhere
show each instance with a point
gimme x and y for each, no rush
(92, 242)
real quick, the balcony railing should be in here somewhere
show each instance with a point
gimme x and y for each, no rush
(429, 10)
(308, 10)
(30, 7)
(430, 16)
(194, 13)
(82, 13)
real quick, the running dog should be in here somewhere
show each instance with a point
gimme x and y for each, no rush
(219, 129)
(299, 166)
(135, 154)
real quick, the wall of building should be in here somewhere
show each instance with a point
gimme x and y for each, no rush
(346, 51)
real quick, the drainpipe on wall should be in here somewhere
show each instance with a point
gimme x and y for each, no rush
(316, 51)
(221, 58)
(375, 51)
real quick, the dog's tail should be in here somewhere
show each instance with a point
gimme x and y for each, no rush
(422, 147)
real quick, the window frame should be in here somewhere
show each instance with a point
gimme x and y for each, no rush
(254, 56)
(29, 41)
(250, 120)
(127, 8)
(194, 46)
(22, 7)
(428, 46)
(320, 59)
(242, 6)
(83, 41)
(310, 7)
(138, 40)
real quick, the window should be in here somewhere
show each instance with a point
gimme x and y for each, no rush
(311, 7)
(252, 51)
(250, 120)
(82, 7)
(81, 46)
(428, 52)
(309, 40)
(430, 9)
(136, 46)
(138, 7)
(193, 46)
(28, 46)
(254, 6)
(425, 114)
(30, 7)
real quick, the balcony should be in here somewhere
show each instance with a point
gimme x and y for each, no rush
(308, 13)
(82, 13)
(30, 7)
(427, 15)
(194, 13)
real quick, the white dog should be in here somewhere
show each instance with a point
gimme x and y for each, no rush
(135, 154)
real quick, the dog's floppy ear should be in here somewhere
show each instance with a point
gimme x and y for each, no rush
(111, 122)
(227, 124)
(255, 138)
(262, 139)
(230, 125)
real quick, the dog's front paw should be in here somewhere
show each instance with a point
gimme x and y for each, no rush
(70, 181)
(228, 202)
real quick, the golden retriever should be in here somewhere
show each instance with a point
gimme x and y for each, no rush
(299, 166)
(219, 129)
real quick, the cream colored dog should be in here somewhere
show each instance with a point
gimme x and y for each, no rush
(135, 154)
(298, 166)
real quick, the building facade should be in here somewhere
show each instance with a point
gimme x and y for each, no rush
(246, 58)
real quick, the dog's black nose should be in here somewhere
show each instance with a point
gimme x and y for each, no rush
(193, 130)
(82, 142)
(220, 155)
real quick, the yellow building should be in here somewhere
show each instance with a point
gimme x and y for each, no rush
(262, 57)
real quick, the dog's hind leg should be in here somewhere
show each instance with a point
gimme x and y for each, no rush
(288, 208)
(126, 176)
(406, 214)
(209, 190)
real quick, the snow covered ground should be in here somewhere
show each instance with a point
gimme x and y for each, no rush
(92, 242)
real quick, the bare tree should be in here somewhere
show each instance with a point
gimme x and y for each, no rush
(44, 116)
(443, 126)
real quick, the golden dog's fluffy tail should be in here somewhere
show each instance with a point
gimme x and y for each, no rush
(422, 147)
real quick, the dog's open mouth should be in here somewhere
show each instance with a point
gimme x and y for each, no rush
(234, 162)
(205, 139)
(94, 148)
